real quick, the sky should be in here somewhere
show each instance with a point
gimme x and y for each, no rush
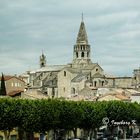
(29, 26)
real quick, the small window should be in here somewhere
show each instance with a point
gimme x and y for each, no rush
(77, 54)
(102, 83)
(97, 69)
(73, 90)
(95, 83)
(65, 73)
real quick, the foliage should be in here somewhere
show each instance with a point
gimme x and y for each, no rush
(3, 88)
(44, 115)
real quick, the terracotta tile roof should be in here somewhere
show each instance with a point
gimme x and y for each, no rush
(13, 93)
(117, 96)
(33, 94)
(122, 97)
(8, 77)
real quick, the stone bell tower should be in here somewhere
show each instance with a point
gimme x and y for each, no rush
(42, 60)
(81, 52)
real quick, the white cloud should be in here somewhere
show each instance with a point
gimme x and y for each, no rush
(28, 26)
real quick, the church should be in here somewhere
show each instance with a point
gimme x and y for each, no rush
(81, 76)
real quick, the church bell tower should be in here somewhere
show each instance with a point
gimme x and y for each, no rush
(81, 52)
(42, 60)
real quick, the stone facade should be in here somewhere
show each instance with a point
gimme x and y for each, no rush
(69, 80)
(14, 84)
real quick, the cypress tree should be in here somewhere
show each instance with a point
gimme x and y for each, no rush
(3, 88)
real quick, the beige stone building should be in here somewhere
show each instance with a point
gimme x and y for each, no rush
(74, 78)
(14, 85)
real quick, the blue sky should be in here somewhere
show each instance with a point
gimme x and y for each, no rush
(29, 26)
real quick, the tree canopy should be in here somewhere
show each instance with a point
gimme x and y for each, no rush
(43, 115)
(2, 87)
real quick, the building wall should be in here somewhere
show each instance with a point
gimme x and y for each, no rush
(123, 82)
(78, 85)
(110, 82)
(14, 84)
(97, 69)
(64, 83)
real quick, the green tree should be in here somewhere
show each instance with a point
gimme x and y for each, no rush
(3, 88)
(118, 111)
(10, 115)
(71, 116)
(93, 114)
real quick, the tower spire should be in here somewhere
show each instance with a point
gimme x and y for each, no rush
(81, 53)
(82, 35)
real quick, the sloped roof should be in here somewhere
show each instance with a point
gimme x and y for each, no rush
(86, 92)
(98, 75)
(122, 97)
(49, 68)
(34, 94)
(73, 70)
(80, 77)
(95, 65)
(15, 92)
(82, 35)
(8, 77)
(115, 97)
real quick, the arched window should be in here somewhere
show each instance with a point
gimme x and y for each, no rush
(76, 54)
(95, 83)
(102, 83)
(73, 90)
(82, 54)
(65, 73)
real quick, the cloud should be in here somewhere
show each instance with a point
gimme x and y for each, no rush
(30, 26)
